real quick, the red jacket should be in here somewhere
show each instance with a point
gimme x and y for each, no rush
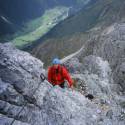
(57, 75)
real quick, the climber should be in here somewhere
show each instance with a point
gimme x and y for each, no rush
(57, 74)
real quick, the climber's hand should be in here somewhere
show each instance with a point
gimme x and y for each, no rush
(72, 87)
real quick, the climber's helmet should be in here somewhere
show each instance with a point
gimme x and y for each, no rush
(56, 61)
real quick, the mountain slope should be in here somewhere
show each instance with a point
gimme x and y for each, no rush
(19, 13)
(26, 100)
(38, 27)
(101, 13)
(79, 27)
(110, 45)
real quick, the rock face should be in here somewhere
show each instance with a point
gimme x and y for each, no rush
(110, 45)
(19, 78)
(95, 74)
(26, 100)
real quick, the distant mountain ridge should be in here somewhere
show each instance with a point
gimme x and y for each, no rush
(72, 33)
(20, 11)
(101, 13)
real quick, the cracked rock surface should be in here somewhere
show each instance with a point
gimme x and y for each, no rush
(26, 100)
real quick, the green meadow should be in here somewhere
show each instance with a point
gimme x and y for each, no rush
(36, 28)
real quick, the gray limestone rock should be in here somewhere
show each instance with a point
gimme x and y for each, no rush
(26, 100)
(110, 46)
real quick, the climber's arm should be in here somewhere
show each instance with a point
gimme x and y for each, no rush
(67, 77)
